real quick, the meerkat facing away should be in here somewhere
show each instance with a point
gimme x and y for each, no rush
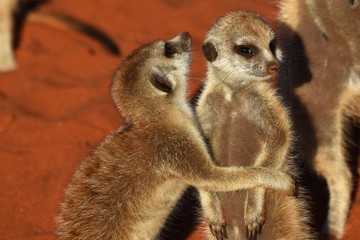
(321, 82)
(246, 125)
(126, 188)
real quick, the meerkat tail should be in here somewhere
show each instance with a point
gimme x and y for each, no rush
(62, 21)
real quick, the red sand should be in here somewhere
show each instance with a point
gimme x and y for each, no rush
(56, 107)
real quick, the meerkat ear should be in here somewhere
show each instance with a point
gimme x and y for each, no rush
(209, 51)
(161, 82)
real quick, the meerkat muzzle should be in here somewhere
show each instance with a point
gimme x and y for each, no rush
(273, 67)
(181, 43)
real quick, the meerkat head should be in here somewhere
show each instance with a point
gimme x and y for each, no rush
(152, 75)
(240, 47)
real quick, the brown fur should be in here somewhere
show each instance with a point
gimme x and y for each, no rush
(247, 125)
(321, 81)
(126, 188)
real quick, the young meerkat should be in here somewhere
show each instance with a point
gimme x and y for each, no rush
(127, 187)
(246, 125)
(321, 82)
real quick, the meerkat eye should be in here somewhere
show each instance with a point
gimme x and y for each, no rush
(169, 50)
(246, 50)
(352, 2)
(272, 46)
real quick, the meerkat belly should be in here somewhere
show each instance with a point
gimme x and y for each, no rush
(156, 210)
(237, 140)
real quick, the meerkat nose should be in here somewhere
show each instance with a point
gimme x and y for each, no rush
(273, 67)
(186, 41)
(184, 36)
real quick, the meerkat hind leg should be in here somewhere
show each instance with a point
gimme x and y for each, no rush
(338, 178)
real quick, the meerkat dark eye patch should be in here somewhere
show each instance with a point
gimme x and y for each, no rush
(169, 50)
(352, 2)
(247, 51)
(272, 46)
(161, 82)
(209, 51)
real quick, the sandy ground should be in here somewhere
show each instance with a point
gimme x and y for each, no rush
(56, 106)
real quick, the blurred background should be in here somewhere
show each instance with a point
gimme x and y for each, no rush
(56, 107)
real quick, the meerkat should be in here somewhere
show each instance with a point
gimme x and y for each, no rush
(8, 10)
(246, 124)
(320, 81)
(7, 61)
(127, 187)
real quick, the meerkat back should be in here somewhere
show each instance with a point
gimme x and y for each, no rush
(247, 125)
(119, 192)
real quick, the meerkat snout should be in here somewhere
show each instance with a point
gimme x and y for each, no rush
(180, 43)
(273, 67)
(177, 50)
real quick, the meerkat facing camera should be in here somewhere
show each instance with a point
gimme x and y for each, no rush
(246, 125)
(127, 187)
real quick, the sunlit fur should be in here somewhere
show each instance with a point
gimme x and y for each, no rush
(321, 80)
(247, 125)
(129, 184)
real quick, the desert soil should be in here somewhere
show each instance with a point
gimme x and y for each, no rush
(55, 108)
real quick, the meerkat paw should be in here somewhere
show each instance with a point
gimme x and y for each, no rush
(254, 227)
(293, 188)
(280, 181)
(218, 230)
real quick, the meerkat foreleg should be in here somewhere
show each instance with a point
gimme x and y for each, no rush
(211, 179)
(212, 214)
(273, 157)
(7, 61)
(254, 213)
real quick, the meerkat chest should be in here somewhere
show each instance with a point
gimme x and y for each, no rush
(236, 132)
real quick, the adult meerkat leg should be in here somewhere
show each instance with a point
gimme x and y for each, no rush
(7, 61)
(330, 163)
